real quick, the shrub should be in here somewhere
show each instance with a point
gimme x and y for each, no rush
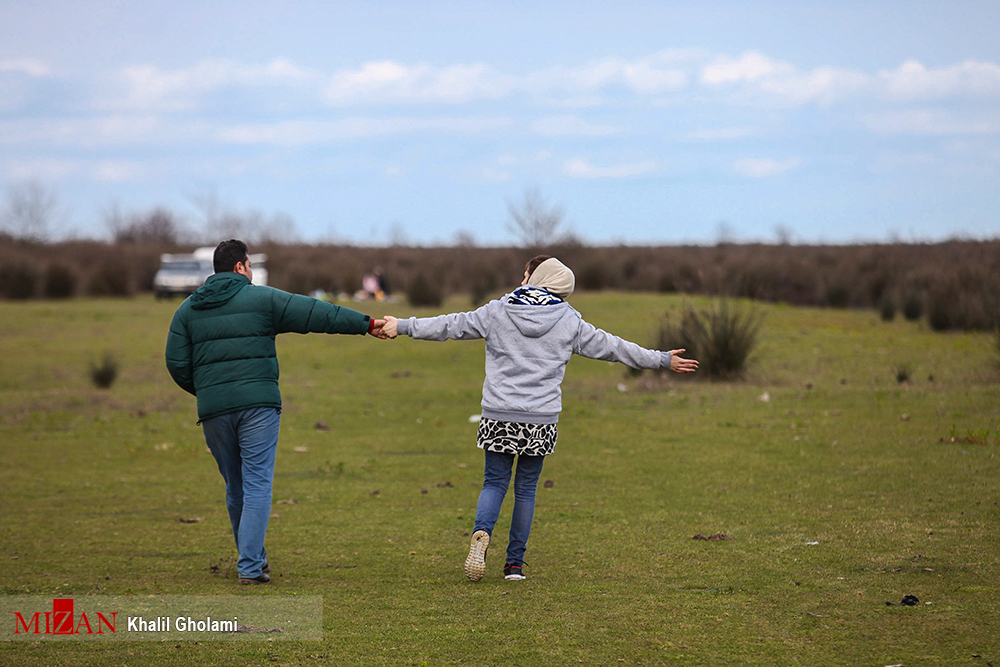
(593, 277)
(483, 283)
(422, 292)
(836, 294)
(18, 280)
(721, 338)
(996, 341)
(111, 278)
(913, 306)
(887, 308)
(666, 284)
(951, 308)
(103, 375)
(940, 310)
(59, 282)
(902, 373)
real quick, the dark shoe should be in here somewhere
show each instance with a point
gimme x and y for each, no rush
(264, 578)
(513, 572)
(267, 568)
(475, 562)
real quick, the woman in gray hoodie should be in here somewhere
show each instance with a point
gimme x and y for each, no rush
(530, 333)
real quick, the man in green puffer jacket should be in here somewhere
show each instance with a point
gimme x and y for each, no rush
(221, 349)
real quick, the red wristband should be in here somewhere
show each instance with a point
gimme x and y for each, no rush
(371, 324)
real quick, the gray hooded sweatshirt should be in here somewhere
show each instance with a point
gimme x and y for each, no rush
(527, 349)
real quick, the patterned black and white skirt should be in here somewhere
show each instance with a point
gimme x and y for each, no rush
(516, 438)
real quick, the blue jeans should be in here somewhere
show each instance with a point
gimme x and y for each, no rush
(496, 478)
(244, 444)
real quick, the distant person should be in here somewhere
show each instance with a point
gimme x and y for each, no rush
(374, 286)
(383, 283)
(530, 333)
(370, 285)
(221, 349)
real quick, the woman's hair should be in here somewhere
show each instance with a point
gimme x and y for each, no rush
(534, 262)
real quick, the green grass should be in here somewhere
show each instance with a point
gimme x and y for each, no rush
(898, 483)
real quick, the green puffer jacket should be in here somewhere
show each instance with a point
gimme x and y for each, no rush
(221, 342)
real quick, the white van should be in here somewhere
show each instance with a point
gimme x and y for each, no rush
(183, 273)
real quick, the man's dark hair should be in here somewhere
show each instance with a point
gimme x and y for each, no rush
(228, 254)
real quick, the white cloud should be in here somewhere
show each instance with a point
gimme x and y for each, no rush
(781, 81)
(645, 78)
(29, 66)
(750, 77)
(581, 168)
(913, 81)
(567, 126)
(824, 85)
(657, 73)
(388, 81)
(763, 167)
(751, 66)
(298, 132)
(928, 122)
(150, 87)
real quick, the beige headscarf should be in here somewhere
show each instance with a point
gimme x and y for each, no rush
(555, 277)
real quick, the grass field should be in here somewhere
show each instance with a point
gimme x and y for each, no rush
(843, 490)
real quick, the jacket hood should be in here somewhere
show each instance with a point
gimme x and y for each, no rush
(218, 290)
(535, 321)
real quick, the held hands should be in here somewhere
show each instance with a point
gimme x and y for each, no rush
(378, 329)
(384, 328)
(679, 364)
(390, 328)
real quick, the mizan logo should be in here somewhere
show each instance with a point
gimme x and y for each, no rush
(62, 621)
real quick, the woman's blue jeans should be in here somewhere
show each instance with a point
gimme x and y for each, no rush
(244, 444)
(496, 478)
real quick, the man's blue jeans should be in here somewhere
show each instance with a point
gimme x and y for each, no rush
(244, 444)
(496, 478)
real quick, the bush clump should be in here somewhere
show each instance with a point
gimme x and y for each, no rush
(59, 282)
(110, 279)
(593, 277)
(18, 281)
(104, 374)
(721, 337)
(913, 306)
(887, 308)
(422, 292)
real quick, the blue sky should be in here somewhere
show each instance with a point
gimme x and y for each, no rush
(647, 122)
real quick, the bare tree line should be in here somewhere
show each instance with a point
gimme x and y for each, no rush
(31, 212)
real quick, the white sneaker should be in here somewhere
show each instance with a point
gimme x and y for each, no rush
(475, 563)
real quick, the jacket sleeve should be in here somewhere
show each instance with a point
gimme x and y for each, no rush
(595, 343)
(295, 313)
(456, 326)
(179, 355)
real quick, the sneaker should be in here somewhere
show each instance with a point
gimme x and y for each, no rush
(475, 563)
(513, 572)
(264, 578)
(267, 568)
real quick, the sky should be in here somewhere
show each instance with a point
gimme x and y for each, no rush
(423, 122)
